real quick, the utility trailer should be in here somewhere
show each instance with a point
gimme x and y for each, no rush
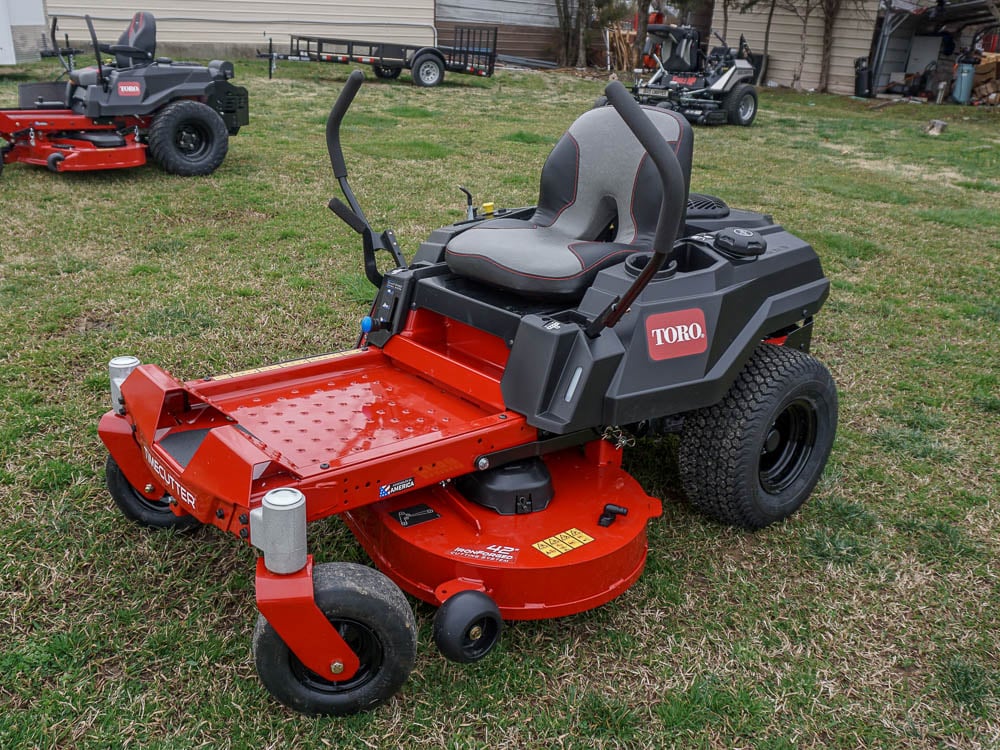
(473, 51)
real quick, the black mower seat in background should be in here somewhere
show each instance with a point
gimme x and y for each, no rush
(598, 173)
(141, 34)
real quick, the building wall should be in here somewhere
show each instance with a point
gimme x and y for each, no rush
(852, 39)
(23, 30)
(527, 28)
(223, 27)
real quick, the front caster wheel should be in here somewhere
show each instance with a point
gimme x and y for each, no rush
(154, 514)
(467, 626)
(753, 458)
(372, 616)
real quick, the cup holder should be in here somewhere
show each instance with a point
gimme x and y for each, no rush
(636, 262)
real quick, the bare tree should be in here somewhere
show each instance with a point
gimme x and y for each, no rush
(803, 10)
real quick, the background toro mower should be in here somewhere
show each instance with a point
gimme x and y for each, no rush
(714, 89)
(107, 116)
(473, 440)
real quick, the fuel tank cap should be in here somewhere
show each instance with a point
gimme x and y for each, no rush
(740, 243)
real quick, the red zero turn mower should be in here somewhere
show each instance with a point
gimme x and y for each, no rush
(108, 116)
(473, 441)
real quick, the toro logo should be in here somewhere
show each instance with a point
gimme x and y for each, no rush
(676, 334)
(129, 88)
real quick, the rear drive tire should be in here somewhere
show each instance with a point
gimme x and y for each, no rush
(753, 458)
(385, 72)
(428, 70)
(188, 138)
(740, 105)
(372, 616)
(153, 514)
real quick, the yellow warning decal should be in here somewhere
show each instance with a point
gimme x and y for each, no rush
(289, 363)
(562, 543)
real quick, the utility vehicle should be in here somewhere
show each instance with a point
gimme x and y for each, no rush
(108, 116)
(473, 440)
(714, 89)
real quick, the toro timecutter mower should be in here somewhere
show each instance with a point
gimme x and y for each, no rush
(713, 90)
(109, 115)
(472, 442)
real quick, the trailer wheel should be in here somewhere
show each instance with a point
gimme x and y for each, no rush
(386, 72)
(153, 514)
(740, 105)
(188, 138)
(373, 617)
(428, 70)
(467, 626)
(753, 458)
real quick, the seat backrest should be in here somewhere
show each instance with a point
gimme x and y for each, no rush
(599, 171)
(141, 34)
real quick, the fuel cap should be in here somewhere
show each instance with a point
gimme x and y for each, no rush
(740, 243)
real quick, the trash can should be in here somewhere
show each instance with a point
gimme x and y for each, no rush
(862, 78)
(963, 83)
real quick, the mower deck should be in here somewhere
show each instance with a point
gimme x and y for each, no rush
(65, 141)
(535, 565)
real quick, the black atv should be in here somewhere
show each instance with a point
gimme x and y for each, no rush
(108, 115)
(714, 89)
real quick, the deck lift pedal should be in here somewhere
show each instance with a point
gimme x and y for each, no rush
(473, 441)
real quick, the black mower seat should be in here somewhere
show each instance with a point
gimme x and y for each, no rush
(597, 176)
(140, 35)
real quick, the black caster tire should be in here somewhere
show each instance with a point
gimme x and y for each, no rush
(467, 626)
(753, 458)
(385, 72)
(53, 162)
(740, 105)
(153, 514)
(188, 138)
(374, 618)
(428, 70)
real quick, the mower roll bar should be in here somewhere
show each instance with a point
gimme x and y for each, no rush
(352, 214)
(671, 210)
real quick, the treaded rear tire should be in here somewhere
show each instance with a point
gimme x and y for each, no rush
(741, 105)
(188, 138)
(753, 458)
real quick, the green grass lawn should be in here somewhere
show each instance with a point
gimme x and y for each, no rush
(869, 619)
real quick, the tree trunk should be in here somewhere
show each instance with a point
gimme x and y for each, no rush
(831, 9)
(583, 23)
(642, 28)
(767, 40)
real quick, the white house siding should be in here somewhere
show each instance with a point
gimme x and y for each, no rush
(526, 28)
(233, 24)
(852, 39)
(499, 12)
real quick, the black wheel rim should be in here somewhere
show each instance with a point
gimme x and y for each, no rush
(193, 140)
(479, 637)
(788, 446)
(363, 642)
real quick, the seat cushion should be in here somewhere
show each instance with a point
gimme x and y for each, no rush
(532, 259)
